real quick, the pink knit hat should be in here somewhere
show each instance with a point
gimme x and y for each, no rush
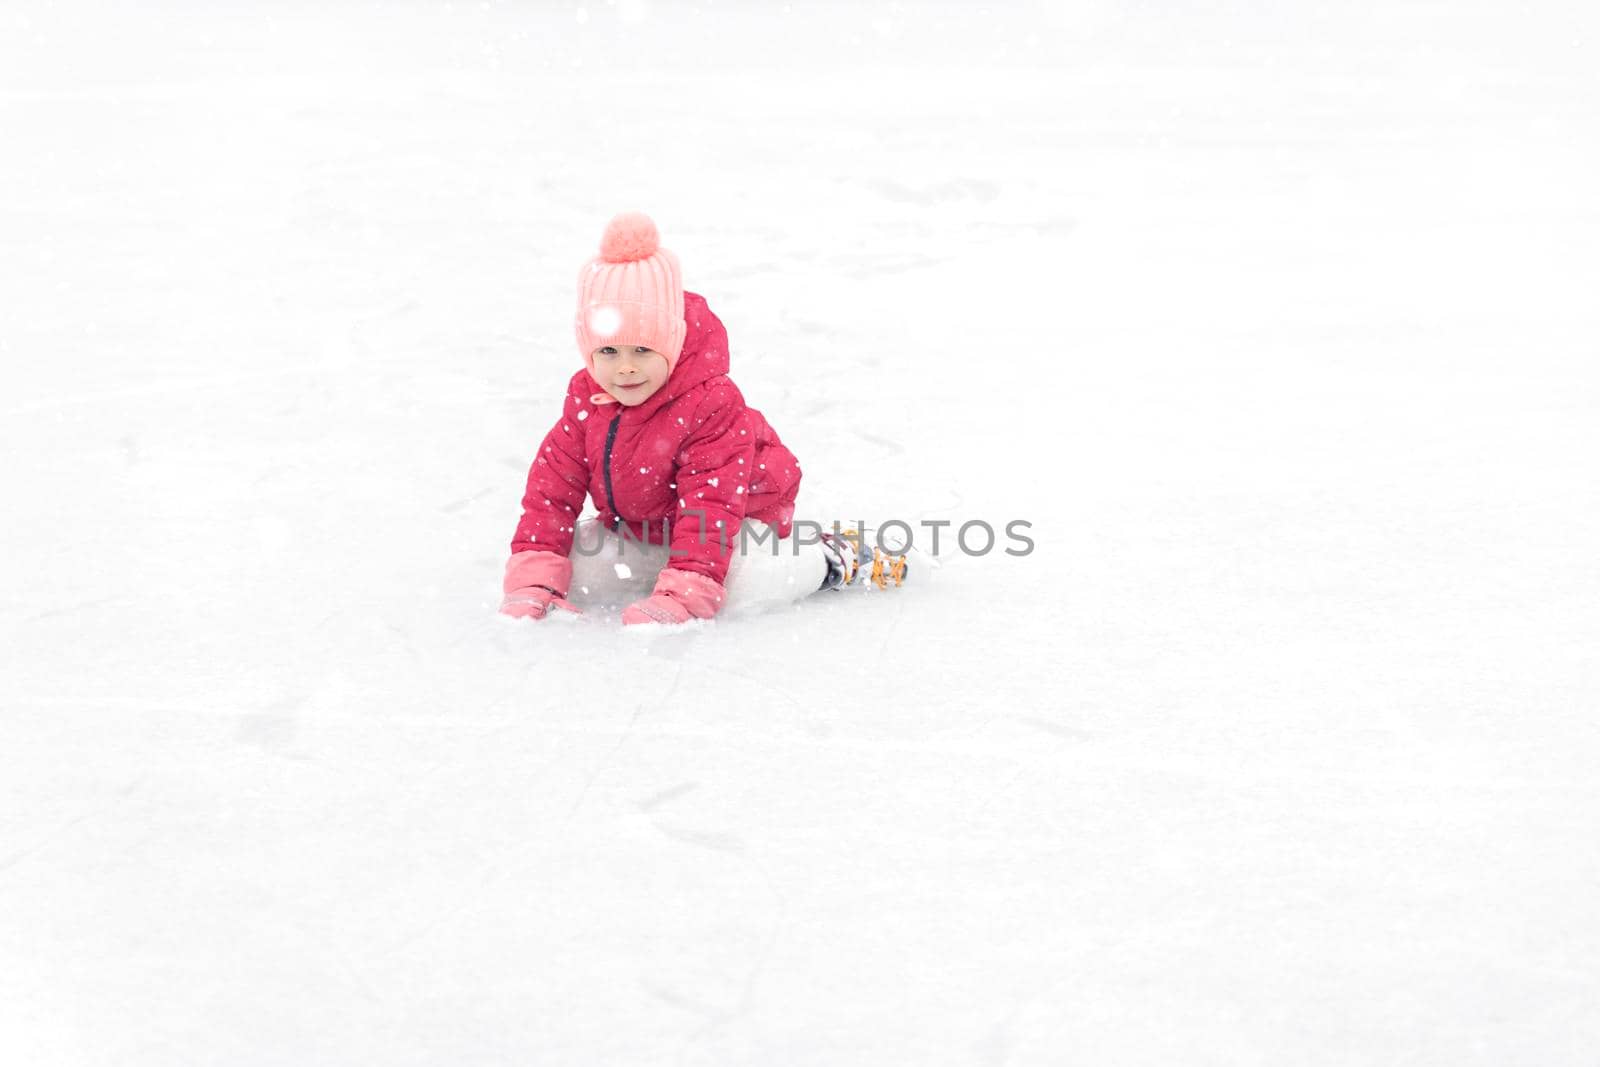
(632, 293)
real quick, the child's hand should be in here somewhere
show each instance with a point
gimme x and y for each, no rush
(678, 597)
(533, 585)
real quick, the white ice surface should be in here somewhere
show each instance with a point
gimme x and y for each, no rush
(1277, 321)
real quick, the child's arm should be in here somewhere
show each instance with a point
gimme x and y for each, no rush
(713, 479)
(539, 570)
(714, 469)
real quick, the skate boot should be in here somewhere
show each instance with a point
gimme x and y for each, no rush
(855, 564)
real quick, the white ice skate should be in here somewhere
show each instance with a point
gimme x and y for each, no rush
(854, 564)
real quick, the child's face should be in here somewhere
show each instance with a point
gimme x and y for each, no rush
(630, 373)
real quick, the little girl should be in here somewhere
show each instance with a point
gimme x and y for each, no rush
(657, 433)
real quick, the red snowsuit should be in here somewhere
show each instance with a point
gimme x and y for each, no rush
(693, 455)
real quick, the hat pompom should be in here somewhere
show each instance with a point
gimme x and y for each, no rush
(631, 235)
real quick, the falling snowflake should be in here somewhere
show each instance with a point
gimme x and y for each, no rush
(605, 321)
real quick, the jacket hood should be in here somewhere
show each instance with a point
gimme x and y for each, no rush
(704, 356)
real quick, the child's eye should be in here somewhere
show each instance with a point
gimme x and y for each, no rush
(608, 351)
(638, 349)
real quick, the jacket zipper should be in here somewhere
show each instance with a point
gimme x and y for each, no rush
(611, 439)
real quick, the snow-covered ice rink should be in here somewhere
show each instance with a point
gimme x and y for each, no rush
(1277, 322)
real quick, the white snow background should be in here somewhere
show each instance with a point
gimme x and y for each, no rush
(1277, 322)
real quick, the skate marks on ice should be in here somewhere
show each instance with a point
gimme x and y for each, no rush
(942, 193)
(606, 758)
(1055, 729)
(672, 988)
(892, 450)
(717, 842)
(273, 729)
(49, 837)
(718, 854)
(456, 505)
(664, 796)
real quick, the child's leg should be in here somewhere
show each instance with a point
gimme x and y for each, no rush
(768, 573)
(597, 555)
(759, 578)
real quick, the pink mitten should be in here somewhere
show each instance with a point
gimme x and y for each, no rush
(534, 602)
(679, 596)
(534, 583)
